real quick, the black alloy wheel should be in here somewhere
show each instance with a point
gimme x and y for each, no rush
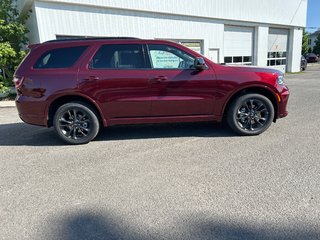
(76, 123)
(250, 114)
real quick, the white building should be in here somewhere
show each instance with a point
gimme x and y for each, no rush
(312, 39)
(258, 32)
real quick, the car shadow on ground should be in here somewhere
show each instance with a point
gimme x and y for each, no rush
(89, 225)
(21, 134)
(172, 130)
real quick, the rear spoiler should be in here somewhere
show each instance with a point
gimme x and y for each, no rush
(33, 46)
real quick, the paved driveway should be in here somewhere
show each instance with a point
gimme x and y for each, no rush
(179, 181)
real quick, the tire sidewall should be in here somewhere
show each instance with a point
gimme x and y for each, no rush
(83, 107)
(232, 114)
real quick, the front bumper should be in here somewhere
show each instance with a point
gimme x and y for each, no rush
(284, 98)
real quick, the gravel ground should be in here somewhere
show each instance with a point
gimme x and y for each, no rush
(169, 181)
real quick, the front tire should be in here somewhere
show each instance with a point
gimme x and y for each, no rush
(250, 114)
(76, 123)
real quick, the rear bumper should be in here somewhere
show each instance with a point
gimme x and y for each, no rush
(31, 112)
(32, 119)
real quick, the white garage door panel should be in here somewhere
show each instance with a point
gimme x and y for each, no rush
(278, 39)
(238, 41)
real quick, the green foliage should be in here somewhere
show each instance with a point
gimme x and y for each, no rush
(3, 87)
(316, 48)
(12, 40)
(7, 54)
(305, 46)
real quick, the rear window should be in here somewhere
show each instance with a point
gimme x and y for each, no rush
(60, 57)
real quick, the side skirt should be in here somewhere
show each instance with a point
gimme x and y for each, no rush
(171, 119)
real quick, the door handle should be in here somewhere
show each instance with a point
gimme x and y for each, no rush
(91, 78)
(159, 79)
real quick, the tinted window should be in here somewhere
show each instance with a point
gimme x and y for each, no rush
(228, 59)
(60, 57)
(237, 59)
(165, 56)
(120, 56)
(247, 59)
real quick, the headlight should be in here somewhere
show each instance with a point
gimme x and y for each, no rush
(280, 80)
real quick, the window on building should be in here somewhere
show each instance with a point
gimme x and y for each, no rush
(60, 57)
(277, 58)
(168, 57)
(123, 56)
(243, 60)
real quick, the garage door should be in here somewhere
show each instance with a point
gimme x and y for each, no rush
(277, 48)
(238, 45)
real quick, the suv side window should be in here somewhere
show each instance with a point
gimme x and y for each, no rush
(119, 56)
(168, 57)
(59, 57)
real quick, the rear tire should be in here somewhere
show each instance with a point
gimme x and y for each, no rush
(76, 123)
(250, 114)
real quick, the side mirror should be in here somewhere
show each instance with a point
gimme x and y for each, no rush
(200, 64)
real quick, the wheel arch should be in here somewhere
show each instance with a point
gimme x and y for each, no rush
(60, 100)
(265, 91)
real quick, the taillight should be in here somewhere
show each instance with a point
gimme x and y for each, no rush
(18, 81)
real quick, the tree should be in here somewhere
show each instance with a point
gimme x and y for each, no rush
(305, 46)
(316, 48)
(12, 40)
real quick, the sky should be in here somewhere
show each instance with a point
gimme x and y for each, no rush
(313, 18)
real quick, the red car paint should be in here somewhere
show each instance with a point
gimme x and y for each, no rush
(139, 96)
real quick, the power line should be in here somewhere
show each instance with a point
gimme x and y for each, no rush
(295, 13)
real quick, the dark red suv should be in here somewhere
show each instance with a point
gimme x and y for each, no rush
(77, 86)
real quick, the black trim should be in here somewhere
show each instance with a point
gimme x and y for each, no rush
(149, 56)
(146, 56)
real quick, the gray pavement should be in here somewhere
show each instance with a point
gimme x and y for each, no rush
(170, 181)
(4, 104)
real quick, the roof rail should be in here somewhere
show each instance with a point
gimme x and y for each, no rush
(90, 38)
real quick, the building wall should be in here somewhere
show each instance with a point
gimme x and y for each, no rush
(198, 20)
(32, 25)
(288, 12)
(95, 21)
(294, 49)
